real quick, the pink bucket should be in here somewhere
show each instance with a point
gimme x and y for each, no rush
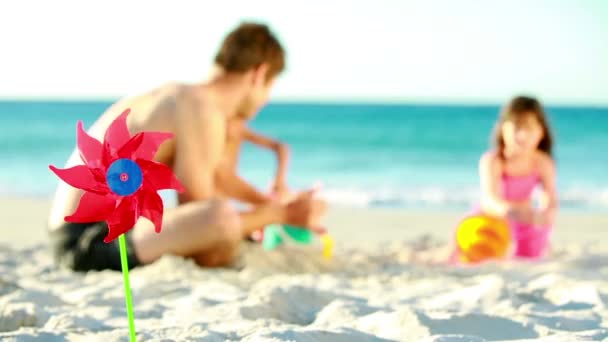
(530, 241)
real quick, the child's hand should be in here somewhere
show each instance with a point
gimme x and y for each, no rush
(530, 216)
(523, 214)
(542, 218)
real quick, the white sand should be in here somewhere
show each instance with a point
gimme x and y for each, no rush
(396, 291)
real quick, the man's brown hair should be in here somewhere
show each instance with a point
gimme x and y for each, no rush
(248, 46)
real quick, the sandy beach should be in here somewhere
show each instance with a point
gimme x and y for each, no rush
(387, 282)
(402, 114)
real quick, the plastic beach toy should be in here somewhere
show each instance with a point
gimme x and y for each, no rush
(275, 235)
(482, 237)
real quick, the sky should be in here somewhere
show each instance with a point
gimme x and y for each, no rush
(376, 50)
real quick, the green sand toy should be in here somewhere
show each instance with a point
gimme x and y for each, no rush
(275, 234)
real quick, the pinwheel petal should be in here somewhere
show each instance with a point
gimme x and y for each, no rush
(159, 176)
(128, 149)
(80, 177)
(150, 206)
(151, 143)
(117, 133)
(90, 148)
(122, 219)
(92, 208)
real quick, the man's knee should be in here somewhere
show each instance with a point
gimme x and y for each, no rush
(227, 220)
(222, 254)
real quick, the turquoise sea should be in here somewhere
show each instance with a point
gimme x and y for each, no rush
(410, 156)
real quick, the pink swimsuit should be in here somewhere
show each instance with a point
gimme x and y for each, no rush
(530, 241)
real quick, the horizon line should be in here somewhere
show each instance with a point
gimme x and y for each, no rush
(331, 101)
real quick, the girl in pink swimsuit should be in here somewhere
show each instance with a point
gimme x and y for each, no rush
(520, 162)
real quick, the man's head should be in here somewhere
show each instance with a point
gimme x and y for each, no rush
(253, 51)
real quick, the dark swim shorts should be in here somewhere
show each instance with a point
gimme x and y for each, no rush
(80, 247)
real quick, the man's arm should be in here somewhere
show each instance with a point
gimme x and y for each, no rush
(200, 137)
(303, 211)
(237, 188)
(280, 149)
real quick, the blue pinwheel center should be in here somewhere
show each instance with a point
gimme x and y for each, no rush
(124, 177)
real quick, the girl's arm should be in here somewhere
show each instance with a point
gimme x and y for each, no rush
(492, 201)
(550, 203)
(281, 150)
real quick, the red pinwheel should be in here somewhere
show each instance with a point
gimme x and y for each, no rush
(119, 178)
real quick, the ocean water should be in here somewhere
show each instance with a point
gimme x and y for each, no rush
(410, 156)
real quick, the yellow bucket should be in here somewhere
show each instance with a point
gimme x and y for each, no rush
(483, 237)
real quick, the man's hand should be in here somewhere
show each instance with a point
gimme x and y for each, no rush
(306, 211)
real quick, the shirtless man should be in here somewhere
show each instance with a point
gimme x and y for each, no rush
(203, 226)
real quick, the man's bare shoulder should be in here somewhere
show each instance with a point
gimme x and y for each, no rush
(196, 104)
(165, 89)
(147, 103)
